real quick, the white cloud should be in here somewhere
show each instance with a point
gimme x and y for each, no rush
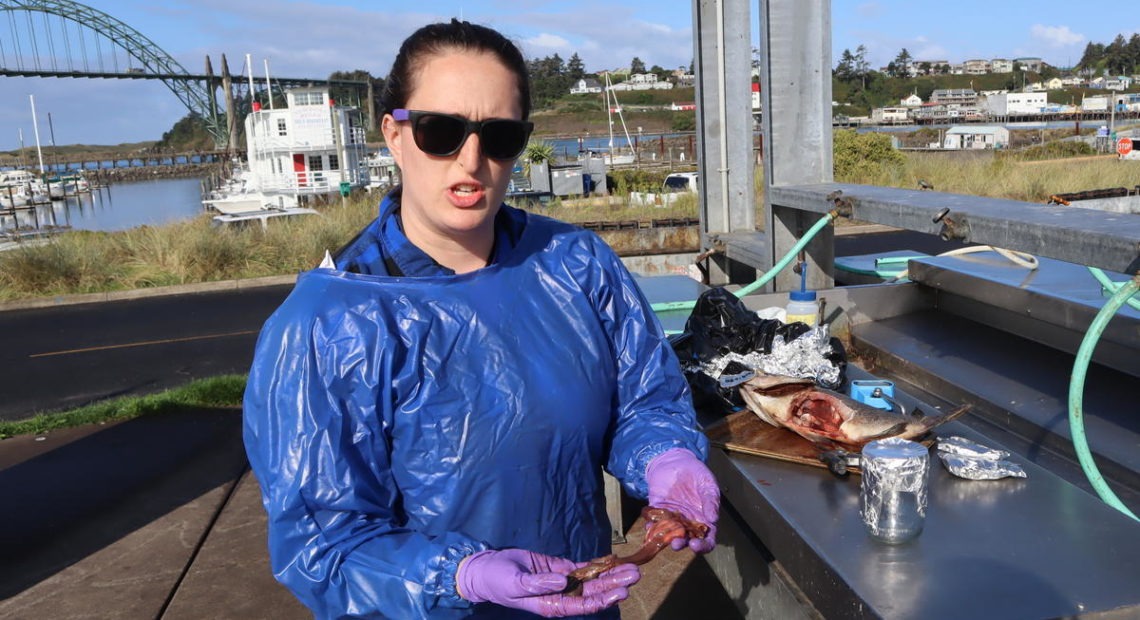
(1055, 36)
(931, 52)
(547, 41)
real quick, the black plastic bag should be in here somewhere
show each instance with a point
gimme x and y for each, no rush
(719, 324)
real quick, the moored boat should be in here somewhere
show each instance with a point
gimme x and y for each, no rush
(311, 148)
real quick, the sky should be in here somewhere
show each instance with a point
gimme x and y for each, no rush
(312, 38)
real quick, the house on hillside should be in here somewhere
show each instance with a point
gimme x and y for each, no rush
(682, 77)
(643, 81)
(1054, 84)
(585, 86)
(1120, 82)
(976, 137)
(976, 67)
(1001, 65)
(1030, 63)
(913, 101)
(927, 67)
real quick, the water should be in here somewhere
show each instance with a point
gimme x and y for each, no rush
(119, 206)
(568, 148)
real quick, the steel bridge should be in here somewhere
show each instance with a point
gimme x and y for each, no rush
(64, 39)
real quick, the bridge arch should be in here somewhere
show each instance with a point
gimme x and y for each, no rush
(195, 95)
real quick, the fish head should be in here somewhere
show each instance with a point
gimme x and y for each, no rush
(770, 396)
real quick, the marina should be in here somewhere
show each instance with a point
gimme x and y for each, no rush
(115, 207)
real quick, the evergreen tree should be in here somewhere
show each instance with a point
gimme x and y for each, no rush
(574, 68)
(845, 70)
(1116, 56)
(862, 67)
(898, 67)
(1133, 52)
(549, 80)
(636, 66)
(1092, 56)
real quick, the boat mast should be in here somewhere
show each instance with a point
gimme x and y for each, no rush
(609, 117)
(252, 90)
(268, 86)
(36, 127)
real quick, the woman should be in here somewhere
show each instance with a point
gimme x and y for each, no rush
(429, 416)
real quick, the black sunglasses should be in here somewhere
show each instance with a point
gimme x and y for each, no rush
(442, 135)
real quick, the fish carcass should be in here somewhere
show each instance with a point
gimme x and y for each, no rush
(829, 419)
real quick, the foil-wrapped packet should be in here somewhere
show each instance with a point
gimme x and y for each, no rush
(973, 461)
(805, 356)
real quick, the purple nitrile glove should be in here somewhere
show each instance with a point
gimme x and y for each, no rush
(533, 582)
(680, 482)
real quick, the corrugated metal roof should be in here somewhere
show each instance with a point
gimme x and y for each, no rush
(984, 129)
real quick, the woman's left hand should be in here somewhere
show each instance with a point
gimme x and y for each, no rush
(679, 481)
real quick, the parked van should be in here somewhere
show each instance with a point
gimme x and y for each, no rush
(675, 185)
(681, 182)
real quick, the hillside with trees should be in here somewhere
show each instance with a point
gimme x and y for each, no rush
(1117, 58)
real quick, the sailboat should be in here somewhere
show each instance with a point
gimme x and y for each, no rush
(610, 110)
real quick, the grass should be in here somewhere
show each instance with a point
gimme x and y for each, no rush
(1004, 177)
(194, 251)
(223, 391)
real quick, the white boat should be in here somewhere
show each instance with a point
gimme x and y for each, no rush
(13, 197)
(311, 148)
(382, 171)
(19, 188)
(261, 216)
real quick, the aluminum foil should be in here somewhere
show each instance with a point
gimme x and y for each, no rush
(804, 357)
(973, 461)
(893, 489)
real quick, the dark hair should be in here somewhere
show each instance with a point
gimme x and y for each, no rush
(442, 37)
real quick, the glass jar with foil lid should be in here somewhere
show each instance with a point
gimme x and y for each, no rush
(892, 496)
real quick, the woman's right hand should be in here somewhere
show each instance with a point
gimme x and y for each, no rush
(534, 582)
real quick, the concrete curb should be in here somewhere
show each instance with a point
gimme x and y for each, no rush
(160, 291)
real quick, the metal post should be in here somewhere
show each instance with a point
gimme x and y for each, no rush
(795, 49)
(722, 55)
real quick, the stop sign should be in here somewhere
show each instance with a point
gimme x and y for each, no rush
(1124, 146)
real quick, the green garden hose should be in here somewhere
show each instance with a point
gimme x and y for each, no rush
(1077, 388)
(1111, 286)
(764, 279)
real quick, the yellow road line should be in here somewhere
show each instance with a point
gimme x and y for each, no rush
(145, 343)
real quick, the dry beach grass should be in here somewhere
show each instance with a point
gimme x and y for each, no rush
(195, 251)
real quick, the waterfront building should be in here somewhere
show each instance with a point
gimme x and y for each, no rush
(1015, 104)
(960, 96)
(976, 137)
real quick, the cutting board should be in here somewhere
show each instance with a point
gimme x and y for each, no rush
(744, 432)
